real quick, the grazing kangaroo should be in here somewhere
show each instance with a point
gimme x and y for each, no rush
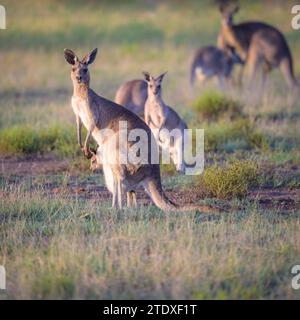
(258, 44)
(159, 116)
(211, 61)
(98, 115)
(132, 95)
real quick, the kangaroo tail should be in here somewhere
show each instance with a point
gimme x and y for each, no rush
(155, 191)
(287, 69)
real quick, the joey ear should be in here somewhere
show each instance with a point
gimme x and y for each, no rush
(146, 76)
(90, 57)
(160, 78)
(93, 151)
(70, 56)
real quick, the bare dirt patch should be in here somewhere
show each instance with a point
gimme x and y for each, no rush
(32, 166)
(283, 199)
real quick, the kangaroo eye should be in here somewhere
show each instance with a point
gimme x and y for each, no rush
(151, 86)
(84, 70)
(158, 87)
(73, 69)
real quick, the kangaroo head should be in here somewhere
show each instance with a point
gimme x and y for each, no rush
(233, 57)
(154, 84)
(95, 160)
(228, 9)
(80, 72)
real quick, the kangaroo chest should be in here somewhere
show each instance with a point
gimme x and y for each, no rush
(157, 114)
(80, 108)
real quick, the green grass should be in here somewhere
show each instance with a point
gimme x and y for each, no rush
(49, 252)
(20, 140)
(231, 136)
(213, 105)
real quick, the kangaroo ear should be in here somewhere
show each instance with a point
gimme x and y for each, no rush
(237, 8)
(160, 78)
(70, 56)
(146, 76)
(90, 57)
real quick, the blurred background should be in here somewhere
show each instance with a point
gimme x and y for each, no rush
(131, 36)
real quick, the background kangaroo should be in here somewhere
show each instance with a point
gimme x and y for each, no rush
(211, 61)
(132, 95)
(97, 114)
(159, 116)
(258, 44)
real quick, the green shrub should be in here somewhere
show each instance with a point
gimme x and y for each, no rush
(233, 180)
(212, 105)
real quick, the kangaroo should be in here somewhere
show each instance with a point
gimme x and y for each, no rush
(98, 114)
(159, 116)
(132, 95)
(211, 61)
(97, 161)
(258, 44)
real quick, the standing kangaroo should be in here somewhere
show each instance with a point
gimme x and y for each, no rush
(211, 61)
(132, 95)
(257, 44)
(159, 116)
(99, 114)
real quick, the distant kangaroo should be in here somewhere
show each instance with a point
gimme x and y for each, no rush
(132, 95)
(258, 45)
(98, 114)
(159, 116)
(211, 61)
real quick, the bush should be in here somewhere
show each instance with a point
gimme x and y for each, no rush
(212, 105)
(233, 180)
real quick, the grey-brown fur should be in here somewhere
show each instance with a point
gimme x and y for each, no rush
(97, 113)
(132, 95)
(159, 116)
(258, 44)
(211, 61)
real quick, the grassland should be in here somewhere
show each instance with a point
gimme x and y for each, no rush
(252, 161)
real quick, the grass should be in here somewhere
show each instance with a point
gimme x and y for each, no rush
(238, 134)
(233, 180)
(49, 252)
(23, 140)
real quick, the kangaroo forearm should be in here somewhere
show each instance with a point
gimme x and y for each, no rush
(79, 131)
(79, 137)
(87, 139)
